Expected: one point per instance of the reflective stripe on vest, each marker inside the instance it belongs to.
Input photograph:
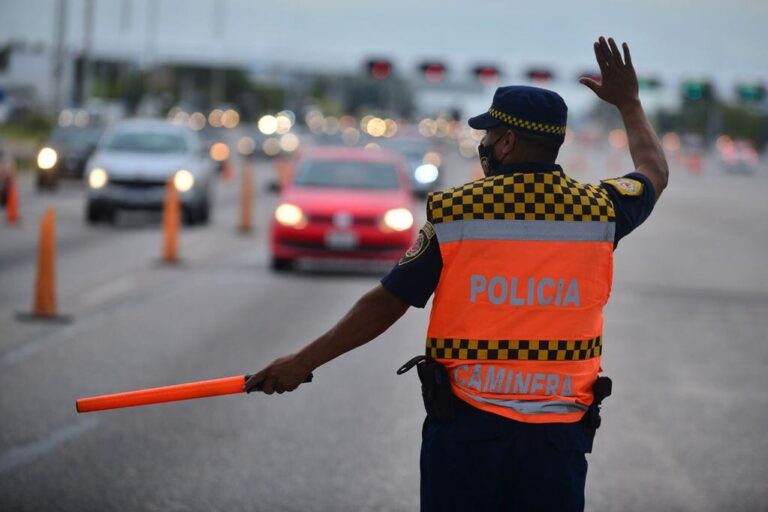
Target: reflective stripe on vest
(518, 312)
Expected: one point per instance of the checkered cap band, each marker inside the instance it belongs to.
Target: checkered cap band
(525, 124)
(523, 196)
(519, 350)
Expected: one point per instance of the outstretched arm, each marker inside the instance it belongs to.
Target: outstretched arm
(371, 315)
(619, 87)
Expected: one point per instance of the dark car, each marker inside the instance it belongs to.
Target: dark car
(65, 153)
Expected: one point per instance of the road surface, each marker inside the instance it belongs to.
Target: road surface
(686, 345)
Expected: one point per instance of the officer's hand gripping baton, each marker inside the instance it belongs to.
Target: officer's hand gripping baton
(186, 391)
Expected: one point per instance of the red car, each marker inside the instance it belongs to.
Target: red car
(344, 203)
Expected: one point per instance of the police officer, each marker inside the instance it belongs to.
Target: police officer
(520, 264)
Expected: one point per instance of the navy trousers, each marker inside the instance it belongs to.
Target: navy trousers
(484, 462)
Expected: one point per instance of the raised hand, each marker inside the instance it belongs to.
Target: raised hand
(619, 81)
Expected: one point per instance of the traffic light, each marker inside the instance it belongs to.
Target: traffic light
(433, 71)
(380, 69)
(697, 90)
(486, 74)
(540, 75)
(751, 93)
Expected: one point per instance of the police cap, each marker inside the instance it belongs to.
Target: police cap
(531, 110)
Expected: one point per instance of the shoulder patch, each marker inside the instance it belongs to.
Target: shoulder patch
(626, 186)
(426, 234)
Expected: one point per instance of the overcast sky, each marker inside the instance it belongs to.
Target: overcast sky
(723, 40)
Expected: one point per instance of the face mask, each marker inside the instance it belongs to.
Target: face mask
(487, 160)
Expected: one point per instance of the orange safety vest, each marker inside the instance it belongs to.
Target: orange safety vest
(517, 315)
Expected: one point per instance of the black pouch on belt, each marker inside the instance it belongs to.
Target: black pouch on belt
(435, 388)
(591, 421)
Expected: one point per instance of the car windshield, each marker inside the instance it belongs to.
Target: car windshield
(148, 142)
(347, 174)
(75, 138)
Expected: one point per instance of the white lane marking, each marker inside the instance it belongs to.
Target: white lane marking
(108, 291)
(27, 453)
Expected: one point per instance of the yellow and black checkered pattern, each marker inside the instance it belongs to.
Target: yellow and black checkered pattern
(520, 350)
(522, 196)
(526, 124)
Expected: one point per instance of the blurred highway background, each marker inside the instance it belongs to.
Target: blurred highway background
(225, 90)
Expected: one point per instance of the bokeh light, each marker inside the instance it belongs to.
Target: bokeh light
(219, 151)
(722, 142)
(289, 142)
(350, 136)
(427, 127)
(390, 128)
(246, 145)
(66, 117)
(314, 120)
(271, 146)
(82, 118)
(331, 125)
(376, 127)
(230, 119)
(197, 121)
(215, 117)
(284, 123)
(267, 124)
(432, 157)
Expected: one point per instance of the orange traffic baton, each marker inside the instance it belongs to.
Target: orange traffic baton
(175, 393)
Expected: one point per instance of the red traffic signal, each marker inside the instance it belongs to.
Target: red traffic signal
(540, 75)
(486, 74)
(433, 71)
(380, 69)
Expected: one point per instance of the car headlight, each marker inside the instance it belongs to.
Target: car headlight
(97, 178)
(290, 215)
(183, 180)
(398, 219)
(426, 173)
(47, 158)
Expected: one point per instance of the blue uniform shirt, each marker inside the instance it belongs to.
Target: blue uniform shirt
(414, 278)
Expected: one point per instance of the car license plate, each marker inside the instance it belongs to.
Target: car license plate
(341, 240)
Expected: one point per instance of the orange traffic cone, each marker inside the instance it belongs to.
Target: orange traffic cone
(245, 198)
(227, 173)
(44, 305)
(12, 202)
(170, 223)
